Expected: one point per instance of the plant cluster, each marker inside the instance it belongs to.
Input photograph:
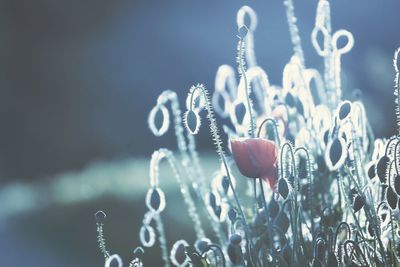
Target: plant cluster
(303, 181)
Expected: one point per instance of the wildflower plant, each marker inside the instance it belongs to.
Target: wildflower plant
(320, 189)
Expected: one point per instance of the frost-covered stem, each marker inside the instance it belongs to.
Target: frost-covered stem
(216, 138)
(242, 72)
(101, 241)
(294, 31)
(162, 239)
(310, 183)
(176, 111)
(218, 143)
(185, 192)
(295, 208)
(273, 122)
(372, 216)
(183, 147)
(396, 86)
(348, 205)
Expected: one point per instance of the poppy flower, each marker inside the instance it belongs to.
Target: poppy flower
(256, 158)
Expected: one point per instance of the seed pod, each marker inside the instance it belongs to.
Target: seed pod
(283, 188)
(225, 184)
(240, 112)
(235, 254)
(336, 153)
(235, 239)
(344, 110)
(212, 200)
(371, 171)
(391, 198)
(381, 168)
(358, 203)
(232, 214)
(289, 100)
(397, 184)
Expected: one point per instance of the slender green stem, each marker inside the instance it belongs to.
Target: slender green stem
(246, 87)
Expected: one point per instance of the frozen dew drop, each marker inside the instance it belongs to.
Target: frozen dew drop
(397, 184)
(100, 216)
(159, 120)
(113, 261)
(358, 203)
(243, 31)
(147, 236)
(192, 121)
(344, 110)
(155, 200)
(178, 253)
(283, 188)
(391, 197)
(381, 168)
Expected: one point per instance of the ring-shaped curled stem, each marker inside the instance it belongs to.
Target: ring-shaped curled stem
(165, 153)
(341, 225)
(218, 143)
(274, 126)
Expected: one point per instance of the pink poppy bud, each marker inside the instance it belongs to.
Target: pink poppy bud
(256, 158)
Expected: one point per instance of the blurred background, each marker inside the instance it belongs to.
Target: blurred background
(78, 78)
